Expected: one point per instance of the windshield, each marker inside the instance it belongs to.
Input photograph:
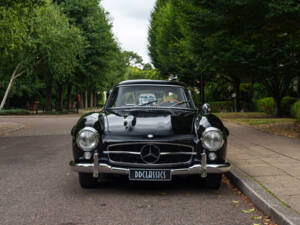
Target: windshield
(149, 96)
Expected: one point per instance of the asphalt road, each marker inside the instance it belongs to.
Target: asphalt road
(37, 187)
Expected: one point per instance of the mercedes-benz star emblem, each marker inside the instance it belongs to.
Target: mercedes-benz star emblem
(150, 154)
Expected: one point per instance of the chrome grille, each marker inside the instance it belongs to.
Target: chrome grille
(129, 154)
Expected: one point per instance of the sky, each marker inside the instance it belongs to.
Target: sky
(130, 20)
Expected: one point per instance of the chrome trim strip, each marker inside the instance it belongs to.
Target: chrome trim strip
(150, 142)
(149, 165)
(121, 152)
(162, 153)
(178, 153)
(105, 168)
(152, 84)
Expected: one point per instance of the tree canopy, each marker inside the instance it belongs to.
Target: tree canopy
(64, 43)
(247, 40)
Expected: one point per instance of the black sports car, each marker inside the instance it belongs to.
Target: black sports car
(150, 130)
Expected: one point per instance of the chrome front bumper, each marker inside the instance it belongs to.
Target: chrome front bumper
(105, 168)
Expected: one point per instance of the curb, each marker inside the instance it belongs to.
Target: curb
(263, 200)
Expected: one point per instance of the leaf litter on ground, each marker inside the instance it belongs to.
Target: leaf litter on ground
(248, 210)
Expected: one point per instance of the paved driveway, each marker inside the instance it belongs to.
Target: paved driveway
(37, 125)
(38, 188)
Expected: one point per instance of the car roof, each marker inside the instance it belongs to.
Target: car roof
(146, 81)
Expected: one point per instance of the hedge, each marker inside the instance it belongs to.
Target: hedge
(14, 112)
(221, 106)
(267, 105)
(295, 110)
(286, 104)
(227, 106)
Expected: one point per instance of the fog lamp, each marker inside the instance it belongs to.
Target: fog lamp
(87, 155)
(212, 156)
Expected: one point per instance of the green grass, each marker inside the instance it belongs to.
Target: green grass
(230, 115)
(257, 121)
(57, 112)
(253, 118)
(14, 112)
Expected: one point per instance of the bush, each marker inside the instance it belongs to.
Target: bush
(295, 110)
(221, 106)
(266, 105)
(14, 112)
(227, 106)
(286, 104)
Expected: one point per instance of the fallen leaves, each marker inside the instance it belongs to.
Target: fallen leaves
(248, 210)
(236, 203)
(256, 217)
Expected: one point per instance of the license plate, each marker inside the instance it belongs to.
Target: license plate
(148, 174)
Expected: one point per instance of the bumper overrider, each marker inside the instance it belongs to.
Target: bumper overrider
(202, 169)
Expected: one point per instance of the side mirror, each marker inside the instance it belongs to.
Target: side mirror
(206, 109)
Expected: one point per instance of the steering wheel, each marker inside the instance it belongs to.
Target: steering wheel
(172, 101)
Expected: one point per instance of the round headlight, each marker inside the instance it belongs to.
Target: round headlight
(212, 139)
(87, 139)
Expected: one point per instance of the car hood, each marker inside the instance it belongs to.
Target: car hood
(156, 123)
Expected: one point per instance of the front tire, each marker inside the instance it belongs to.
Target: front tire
(213, 181)
(86, 180)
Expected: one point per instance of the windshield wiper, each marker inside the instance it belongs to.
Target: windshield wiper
(178, 103)
(148, 103)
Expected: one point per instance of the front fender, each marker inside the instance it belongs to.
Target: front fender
(210, 120)
(94, 120)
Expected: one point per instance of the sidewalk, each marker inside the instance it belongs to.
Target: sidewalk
(273, 161)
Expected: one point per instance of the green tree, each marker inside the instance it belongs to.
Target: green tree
(101, 54)
(60, 45)
(167, 46)
(48, 41)
(242, 41)
(15, 28)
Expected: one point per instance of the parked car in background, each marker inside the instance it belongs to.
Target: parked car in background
(150, 130)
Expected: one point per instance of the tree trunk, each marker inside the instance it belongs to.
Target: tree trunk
(91, 99)
(81, 105)
(95, 99)
(60, 97)
(86, 99)
(10, 84)
(277, 101)
(298, 86)
(69, 100)
(48, 103)
(237, 95)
